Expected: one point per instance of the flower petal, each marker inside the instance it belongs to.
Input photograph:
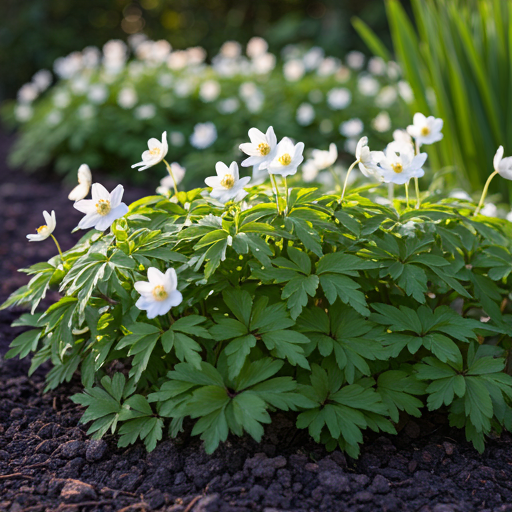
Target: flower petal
(116, 196)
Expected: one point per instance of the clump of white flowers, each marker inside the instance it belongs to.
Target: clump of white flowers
(227, 185)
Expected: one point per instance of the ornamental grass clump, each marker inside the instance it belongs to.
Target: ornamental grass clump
(226, 305)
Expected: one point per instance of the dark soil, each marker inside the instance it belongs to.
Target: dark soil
(48, 463)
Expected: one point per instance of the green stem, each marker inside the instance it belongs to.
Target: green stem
(286, 192)
(391, 192)
(346, 180)
(58, 247)
(276, 190)
(416, 180)
(484, 193)
(169, 169)
(407, 193)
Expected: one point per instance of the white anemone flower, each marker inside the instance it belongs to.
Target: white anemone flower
(400, 168)
(367, 160)
(324, 159)
(84, 184)
(155, 154)
(426, 130)
(103, 209)
(402, 142)
(227, 185)
(503, 166)
(44, 231)
(287, 159)
(261, 149)
(159, 294)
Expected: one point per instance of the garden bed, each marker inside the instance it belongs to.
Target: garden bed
(47, 461)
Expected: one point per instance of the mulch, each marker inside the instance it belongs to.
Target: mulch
(48, 463)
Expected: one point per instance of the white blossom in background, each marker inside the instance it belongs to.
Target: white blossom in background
(339, 98)
(394, 70)
(228, 106)
(147, 111)
(460, 194)
(156, 152)
(27, 93)
(293, 70)
(425, 130)
(98, 93)
(313, 58)
(509, 216)
(135, 40)
(177, 60)
(367, 85)
(159, 294)
(86, 111)
(205, 134)
(319, 161)
(405, 91)
(256, 46)
(183, 88)
(167, 183)
(305, 114)
(127, 98)
(44, 231)
(489, 210)
(91, 57)
(23, 113)
(79, 85)
(288, 157)
(84, 184)
(42, 80)
(350, 145)
(382, 123)
(402, 142)
(355, 60)
(177, 139)
(195, 55)
(328, 67)
(343, 74)
(386, 97)
(227, 185)
(61, 99)
(66, 67)
(261, 149)
(54, 118)
(103, 209)
(367, 160)
(503, 166)
(352, 128)
(400, 168)
(231, 49)
(114, 55)
(209, 91)
(264, 64)
(154, 52)
(377, 66)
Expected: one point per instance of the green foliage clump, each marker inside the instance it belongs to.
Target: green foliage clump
(456, 55)
(349, 315)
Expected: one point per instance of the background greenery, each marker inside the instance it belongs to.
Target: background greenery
(33, 33)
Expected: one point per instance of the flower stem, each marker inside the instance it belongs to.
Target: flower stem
(58, 247)
(276, 190)
(346, 180)
(484, 193)
(169, 169)
(391, 192)
(286, 192)
(407, 193)
(416, 180)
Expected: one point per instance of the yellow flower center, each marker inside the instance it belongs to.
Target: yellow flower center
(425, 131)
(263, 148)
(398, 168)
(159, 293)
(228, 181)
(285, 159)
(42, 228)
(103, 207)
(154, 151)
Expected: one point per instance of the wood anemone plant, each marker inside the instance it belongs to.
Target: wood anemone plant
(346, 313)
(457, 56)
